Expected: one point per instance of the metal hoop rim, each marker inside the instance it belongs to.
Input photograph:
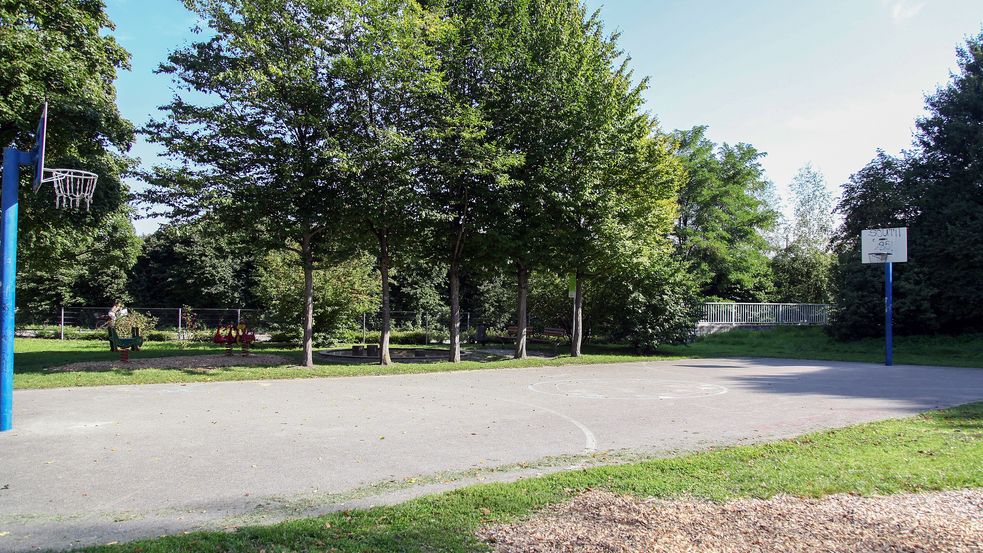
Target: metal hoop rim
(53, 174)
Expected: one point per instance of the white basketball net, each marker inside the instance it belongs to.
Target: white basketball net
(72, 187)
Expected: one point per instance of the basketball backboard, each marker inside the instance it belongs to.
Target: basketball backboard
(884, 245)
(37, 152)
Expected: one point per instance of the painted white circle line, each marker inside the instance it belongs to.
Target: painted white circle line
(590, 441)
(627, 388)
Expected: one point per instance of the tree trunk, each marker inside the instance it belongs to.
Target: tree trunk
(578, 318)
(523, 318)
(308, 341)
(384, 357)
(455, 326)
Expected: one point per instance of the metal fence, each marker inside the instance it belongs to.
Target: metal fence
(168, 318)
(765, 314)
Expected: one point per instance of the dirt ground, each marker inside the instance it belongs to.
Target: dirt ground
(604, 522)
(192, 362)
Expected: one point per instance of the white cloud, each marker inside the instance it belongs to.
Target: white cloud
(903, 9)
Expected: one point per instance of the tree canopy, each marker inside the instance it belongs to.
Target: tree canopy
(722, 217)
(63, 53)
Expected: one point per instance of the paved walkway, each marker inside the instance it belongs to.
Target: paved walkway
(94, 465)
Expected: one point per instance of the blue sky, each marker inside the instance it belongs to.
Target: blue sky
(823, 82)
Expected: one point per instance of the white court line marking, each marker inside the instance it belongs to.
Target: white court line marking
(624, 390)
(590, 442)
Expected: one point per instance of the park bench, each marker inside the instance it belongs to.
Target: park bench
(555, 332)
(513, 331)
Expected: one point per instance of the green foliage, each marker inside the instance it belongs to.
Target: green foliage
(881, 195)
(495, 300)
(947, 233)
(63, 53)
(342, 292)
(194, 264)
(936, 191)
(133, 319)
(802, 274)
(73, 265)
(649, 305)
(722, 217)
(419, 286)
(803, 265)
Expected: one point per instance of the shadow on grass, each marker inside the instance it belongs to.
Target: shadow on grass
(967, 418)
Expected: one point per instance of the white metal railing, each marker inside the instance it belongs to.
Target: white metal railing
(765, 314)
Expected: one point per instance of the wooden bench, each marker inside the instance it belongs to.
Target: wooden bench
(555, 332)
(513, 331)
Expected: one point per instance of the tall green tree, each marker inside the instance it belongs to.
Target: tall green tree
(465, 165)
(199, 264)
(936, 190)
(802, 268)
(390, 77)
(946, 237)
(615, 180)
(722, 217)
(255, 131)
(63, 52)
(883, 194)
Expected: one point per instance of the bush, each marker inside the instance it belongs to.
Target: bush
(342, 293)
(649, 305)
(134, 319)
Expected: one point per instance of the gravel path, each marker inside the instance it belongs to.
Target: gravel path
(201, 362)
(601, 521)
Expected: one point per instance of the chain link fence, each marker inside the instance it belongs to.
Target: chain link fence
(182, 320)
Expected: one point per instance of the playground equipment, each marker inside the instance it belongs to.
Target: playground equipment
(124, 345)
(72, 186)
(235, 334)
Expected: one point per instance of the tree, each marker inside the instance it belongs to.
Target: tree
(465, 171)
(881, 195)
(77, 265)
(936, 190)
(812, 209)
(802, 267)
(63, 52)
(199, 264)
(946, 237)
(390, 80)
(722, 217)
(614, 181)
(342, 291)
(255, 131)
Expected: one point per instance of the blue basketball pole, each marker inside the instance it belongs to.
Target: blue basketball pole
(12, 160)
(888, 315)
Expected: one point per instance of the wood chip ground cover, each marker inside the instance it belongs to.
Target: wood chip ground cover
(600, 521)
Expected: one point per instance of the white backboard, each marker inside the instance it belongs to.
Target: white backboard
(874, 243)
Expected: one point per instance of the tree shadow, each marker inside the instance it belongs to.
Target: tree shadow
(920, 387)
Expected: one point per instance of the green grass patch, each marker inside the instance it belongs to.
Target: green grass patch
(934, 451)
(33, 357)
(814, 343)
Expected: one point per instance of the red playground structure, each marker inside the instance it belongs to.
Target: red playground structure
(235, 334)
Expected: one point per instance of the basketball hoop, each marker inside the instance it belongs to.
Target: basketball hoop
(878, 257)
(72, 187)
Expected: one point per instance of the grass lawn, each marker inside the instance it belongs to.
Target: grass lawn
(814, 343)
(934, 451)
(34, 355)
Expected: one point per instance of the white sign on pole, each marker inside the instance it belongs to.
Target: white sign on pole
(884, 245)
